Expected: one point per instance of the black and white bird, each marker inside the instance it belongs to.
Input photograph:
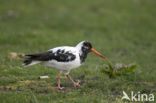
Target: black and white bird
(64, 58)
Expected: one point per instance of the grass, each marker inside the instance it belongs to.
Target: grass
(123, 30)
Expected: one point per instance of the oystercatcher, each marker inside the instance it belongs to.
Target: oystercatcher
(63, 58)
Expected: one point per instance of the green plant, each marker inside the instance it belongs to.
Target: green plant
(117, 69)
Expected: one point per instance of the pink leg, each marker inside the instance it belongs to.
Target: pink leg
(76, 84)
(59, 76)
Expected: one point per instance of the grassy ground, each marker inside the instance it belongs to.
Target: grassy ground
(123, 30)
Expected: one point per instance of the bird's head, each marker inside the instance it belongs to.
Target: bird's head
(86, 47)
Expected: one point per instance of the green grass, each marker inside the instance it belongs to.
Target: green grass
(123, 30)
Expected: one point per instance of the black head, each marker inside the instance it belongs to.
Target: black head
(86, 47)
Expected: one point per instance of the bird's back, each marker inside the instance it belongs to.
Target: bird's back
(64, 57)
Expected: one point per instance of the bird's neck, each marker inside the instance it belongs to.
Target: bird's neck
(83, 56)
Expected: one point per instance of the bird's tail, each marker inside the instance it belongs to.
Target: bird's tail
(30, 60)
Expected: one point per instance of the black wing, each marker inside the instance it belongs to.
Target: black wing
(59, 55)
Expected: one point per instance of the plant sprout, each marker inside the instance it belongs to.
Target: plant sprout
(117, 69)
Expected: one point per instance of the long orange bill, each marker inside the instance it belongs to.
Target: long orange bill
(97, 53)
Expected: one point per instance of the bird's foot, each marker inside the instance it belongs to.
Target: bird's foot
(60, 88)
(76, 84)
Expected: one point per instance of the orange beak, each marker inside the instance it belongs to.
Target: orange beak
(97, 53)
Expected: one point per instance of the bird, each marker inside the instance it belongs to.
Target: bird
(63, 58)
